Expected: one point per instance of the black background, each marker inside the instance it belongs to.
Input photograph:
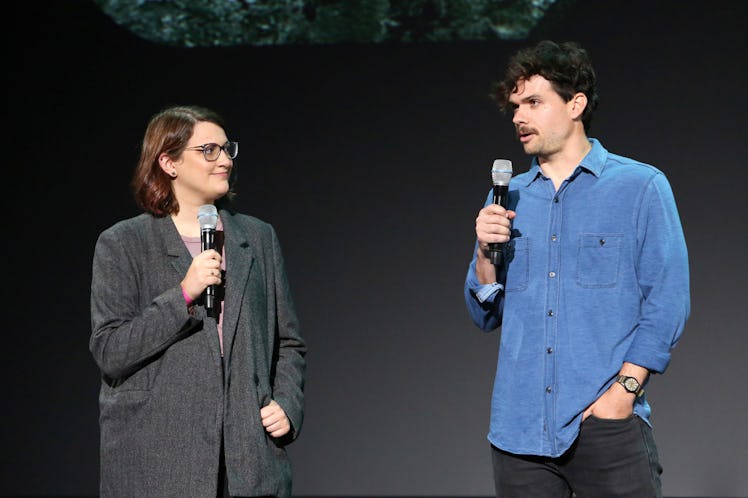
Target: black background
(371, 162)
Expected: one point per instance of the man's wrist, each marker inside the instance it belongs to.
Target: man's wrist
(631, 384)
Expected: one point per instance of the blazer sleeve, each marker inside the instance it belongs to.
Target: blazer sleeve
(128, 328)
(290, 352)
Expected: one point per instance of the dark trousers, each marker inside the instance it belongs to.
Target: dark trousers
(223, 483)
(610, 458)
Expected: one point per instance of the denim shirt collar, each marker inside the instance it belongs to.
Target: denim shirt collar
(593, 162)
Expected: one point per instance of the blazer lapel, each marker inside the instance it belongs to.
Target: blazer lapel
(179, 257)
(180, 260)
(239, 261)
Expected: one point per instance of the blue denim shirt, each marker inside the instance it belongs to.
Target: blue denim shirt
(595, 274)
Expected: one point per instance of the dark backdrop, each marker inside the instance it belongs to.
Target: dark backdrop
(371, 162)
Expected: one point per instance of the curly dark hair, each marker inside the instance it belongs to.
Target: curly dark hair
(567, 66)
(168, 131)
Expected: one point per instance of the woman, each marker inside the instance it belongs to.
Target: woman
(191, 402)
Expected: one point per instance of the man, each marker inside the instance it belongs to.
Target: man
(591, 296)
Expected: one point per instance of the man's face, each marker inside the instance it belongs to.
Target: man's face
(542, 119)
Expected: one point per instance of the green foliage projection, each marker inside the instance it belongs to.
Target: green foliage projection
(206, 23)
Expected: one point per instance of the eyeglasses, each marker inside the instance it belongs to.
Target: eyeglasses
(211, 152)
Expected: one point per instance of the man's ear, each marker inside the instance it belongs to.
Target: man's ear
(577, 105)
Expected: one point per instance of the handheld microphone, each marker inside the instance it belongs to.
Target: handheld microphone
(207, 214)
(501, 173)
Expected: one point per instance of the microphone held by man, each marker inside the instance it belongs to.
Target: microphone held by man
(501, 174)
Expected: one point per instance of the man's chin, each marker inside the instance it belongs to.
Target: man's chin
(529, 149)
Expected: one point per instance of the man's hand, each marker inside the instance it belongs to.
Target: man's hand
(617, 402)
(493, 224)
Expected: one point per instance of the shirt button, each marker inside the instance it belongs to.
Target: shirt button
(551, 274)
(553, 237)
(550, 312)
(549, 350)
(555, 199)
(548, 389)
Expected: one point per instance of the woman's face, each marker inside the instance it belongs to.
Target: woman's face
(199, 181)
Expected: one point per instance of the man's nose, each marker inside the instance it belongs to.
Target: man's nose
(518, 117)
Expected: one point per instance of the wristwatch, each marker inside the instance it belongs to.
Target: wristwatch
(630, 384)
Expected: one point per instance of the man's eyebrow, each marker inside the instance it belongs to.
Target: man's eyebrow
(528, 98)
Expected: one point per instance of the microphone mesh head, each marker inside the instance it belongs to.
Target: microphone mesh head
(501, 172)
(208, 216)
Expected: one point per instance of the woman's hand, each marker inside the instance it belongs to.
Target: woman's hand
(204, 270)
(274, 419)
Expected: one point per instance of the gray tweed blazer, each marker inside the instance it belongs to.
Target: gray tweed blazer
(165, 406)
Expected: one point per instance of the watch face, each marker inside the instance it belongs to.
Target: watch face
(631, 384)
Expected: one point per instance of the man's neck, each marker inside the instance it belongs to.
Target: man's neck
(559, 166)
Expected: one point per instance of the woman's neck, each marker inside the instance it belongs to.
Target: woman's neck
(186, 221)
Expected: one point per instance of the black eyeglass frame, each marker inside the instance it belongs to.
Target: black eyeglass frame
(204, 149)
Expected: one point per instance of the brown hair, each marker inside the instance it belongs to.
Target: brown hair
(567, 66)
(167, 132)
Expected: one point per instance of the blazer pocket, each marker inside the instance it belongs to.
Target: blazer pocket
(120, 409)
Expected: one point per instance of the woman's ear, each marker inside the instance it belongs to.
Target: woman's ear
(167, 164)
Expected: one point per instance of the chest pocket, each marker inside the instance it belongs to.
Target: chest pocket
(599, 259)
(517, 254)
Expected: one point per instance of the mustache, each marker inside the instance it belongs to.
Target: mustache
(524, 130)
